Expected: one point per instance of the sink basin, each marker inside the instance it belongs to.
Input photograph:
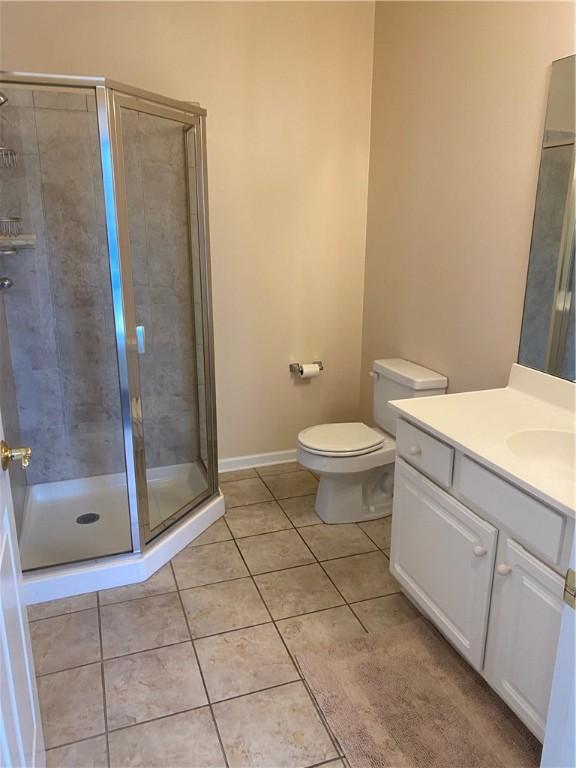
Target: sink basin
(549, 448)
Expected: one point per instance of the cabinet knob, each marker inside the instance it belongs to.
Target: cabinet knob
(504, 569)
(414, 450)
(479, 550)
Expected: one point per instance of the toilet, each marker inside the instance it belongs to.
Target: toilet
(355, 462)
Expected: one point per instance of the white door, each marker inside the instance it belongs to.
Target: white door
(443, 555)
(523, 633)
(560, 737)
(21, 742)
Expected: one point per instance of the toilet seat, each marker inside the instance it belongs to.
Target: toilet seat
(348, 439)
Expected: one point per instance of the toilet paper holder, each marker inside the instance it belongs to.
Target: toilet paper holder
(297, 367)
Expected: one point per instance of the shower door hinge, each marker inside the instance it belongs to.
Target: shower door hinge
(570, 588)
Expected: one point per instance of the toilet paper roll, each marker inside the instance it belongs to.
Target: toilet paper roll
(309, 370)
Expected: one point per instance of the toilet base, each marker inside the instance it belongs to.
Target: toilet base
(355, 497)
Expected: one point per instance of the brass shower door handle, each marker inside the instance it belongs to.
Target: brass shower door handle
(14, 454)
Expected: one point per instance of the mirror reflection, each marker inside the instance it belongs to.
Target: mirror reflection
(547, 341)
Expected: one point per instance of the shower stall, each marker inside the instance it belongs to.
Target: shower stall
(106, 352)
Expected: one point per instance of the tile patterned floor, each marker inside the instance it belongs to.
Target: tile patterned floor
(195, 667)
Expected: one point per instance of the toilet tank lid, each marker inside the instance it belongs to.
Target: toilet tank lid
(410, 374)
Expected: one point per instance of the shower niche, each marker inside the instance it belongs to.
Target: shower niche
(106, 353)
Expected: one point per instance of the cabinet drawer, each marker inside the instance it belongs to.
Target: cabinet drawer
(443, 556)
(431, 456)
(538, 527)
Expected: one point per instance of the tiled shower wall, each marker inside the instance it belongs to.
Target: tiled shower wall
(59, 311)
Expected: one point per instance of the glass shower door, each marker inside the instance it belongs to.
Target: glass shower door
(59, 374)
(159, 151)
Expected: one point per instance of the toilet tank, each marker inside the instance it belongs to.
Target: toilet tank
(397, 379)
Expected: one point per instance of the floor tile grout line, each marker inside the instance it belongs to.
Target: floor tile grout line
(319, 562)
(377, 597)
(308, 613)
(64, 613)
(104, 701)
(184, 711)
(312, 698)
(262, 533)
(68, 669)
(192, 545)
(191, 709)
(78, 741)
(350, 603)
(144, 650)
(249, 575)
(229, 631)
(375, 547)
(322, 716)
(284, 498)
(222, 480)
(259, 690)
(210, 583)
(314, 561)
(270, 614)
(112, 658)
(232, 536)
(331, 580)
(213, 583)
(378, 548)
(277, 619)
(178, 589)
(267, 500)
(139, 597)
(160, 717)
(302, 679)
(291, 655)
(201, 672)
(324, 762)
(370, 537)
(273, 620)
(342, 557)
(299, 468)
(279, 502)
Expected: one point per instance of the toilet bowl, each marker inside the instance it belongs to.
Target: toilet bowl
(355, 462)
(350, 460)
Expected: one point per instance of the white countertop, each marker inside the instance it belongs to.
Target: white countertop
(479, 424)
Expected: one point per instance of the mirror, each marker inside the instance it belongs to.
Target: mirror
(547, 341)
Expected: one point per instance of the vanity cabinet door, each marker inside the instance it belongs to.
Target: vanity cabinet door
(523, 633)
(443, 556)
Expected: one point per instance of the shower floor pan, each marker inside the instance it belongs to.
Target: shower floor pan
(88, 518)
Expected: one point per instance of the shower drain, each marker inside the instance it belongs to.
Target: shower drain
(89, 517)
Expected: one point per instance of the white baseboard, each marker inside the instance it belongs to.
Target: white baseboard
(256, 460)
(120, 570)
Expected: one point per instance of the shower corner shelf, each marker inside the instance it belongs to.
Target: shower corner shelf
(18, 243)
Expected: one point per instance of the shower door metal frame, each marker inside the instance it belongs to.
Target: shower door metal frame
(107, 93)
(194, 116)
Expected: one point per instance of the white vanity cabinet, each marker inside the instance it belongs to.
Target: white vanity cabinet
(443, 554)
(482, 559)
(523, 632)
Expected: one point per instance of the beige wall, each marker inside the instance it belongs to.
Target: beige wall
(458, 104)
(287, 87)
